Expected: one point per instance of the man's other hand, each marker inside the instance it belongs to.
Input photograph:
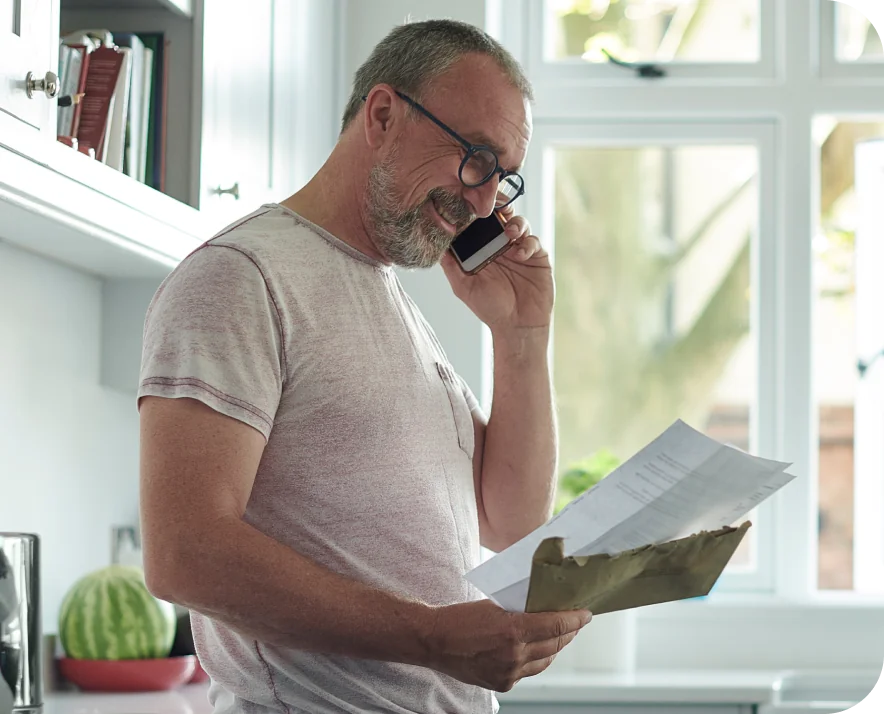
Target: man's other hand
(480, 643)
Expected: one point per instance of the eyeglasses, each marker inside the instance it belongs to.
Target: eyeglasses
(480, 163)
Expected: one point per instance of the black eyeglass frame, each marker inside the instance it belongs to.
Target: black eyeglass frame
(471, 149)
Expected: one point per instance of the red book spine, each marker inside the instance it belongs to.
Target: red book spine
(101, 80)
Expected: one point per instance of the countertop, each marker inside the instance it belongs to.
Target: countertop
(646, 687)
(189, 699)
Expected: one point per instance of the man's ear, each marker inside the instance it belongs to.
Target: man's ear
(379, 119)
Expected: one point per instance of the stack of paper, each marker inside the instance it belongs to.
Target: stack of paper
(681, 484)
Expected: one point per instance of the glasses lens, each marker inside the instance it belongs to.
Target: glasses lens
(509, 190)
(478, 167)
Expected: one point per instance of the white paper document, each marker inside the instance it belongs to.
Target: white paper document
(681, 483)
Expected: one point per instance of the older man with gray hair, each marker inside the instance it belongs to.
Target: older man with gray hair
(316, 479)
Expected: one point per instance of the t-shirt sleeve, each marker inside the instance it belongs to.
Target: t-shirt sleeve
(213, 333)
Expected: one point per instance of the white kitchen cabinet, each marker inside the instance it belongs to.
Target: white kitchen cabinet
(238, 104)
(230, 133)
(26, 51)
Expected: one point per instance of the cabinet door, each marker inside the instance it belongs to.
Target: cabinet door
(28, 43)
(236, 166)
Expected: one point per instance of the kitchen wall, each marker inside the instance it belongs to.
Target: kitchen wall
(365, 23)
(69, 446)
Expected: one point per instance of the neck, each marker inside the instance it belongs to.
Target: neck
(334, 200)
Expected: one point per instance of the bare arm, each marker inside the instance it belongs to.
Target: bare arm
(515, 461)
(197, 471)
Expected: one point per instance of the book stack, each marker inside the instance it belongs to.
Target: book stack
(113, 100)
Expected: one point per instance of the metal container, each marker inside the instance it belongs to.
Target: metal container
(20, 630)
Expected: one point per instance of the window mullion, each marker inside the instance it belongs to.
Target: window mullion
(797, 504)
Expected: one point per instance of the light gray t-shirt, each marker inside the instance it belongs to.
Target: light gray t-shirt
(368, 463)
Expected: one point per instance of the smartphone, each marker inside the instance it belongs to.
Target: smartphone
(480, 243)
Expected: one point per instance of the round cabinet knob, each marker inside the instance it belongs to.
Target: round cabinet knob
(232, 191)
(48, 85)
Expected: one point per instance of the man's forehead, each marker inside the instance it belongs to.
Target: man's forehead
(497, 117)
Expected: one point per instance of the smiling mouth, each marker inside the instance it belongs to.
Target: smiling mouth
(443, 219)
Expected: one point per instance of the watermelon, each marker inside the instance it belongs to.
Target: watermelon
(110, 614)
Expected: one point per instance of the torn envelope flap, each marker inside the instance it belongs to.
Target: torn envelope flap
(675, 570)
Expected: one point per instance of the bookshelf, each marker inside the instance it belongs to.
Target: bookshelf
(65, 205)
(229, 116)
(184, 8)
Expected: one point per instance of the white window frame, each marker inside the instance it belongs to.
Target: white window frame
(543, 69)
(683, 634)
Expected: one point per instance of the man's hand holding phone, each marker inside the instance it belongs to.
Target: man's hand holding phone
(512, 290)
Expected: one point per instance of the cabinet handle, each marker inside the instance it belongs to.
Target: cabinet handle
(48, 85)
(232, 191)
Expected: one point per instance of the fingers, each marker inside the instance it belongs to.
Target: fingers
(538, 627)
(547, 648)
(525, 248)
(517, 227)
(506, 213)
(536, 667)
(536, 657)
(523, 245)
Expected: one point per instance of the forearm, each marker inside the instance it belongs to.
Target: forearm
(265, 590)
(519, 460)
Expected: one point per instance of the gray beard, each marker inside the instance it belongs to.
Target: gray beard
(408, 238)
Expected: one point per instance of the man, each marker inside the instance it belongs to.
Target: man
(316, 479)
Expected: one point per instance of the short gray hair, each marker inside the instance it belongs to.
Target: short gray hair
(415, 53)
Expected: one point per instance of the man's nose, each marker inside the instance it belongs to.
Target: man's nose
(482, 198)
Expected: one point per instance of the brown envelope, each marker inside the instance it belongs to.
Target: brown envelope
(679, 569)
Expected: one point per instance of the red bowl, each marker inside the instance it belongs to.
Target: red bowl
(128, 675)
(199, 675)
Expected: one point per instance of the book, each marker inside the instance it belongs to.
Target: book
(156, 132)
(119, 113)
(133, 137)
(73, 67)
(146, 109)
(105, 64)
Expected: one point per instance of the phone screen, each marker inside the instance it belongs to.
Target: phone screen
(476, 236)
(479, 243)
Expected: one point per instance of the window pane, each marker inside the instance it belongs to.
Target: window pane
(652, 319)
(654, 30)
(835, 357)
(857, 39)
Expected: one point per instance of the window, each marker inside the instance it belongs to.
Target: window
(656, 235)
(653, 30)
(580, 39)
(837, 374)
(629, 172)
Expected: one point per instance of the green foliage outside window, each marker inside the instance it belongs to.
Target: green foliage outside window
(582, 475)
